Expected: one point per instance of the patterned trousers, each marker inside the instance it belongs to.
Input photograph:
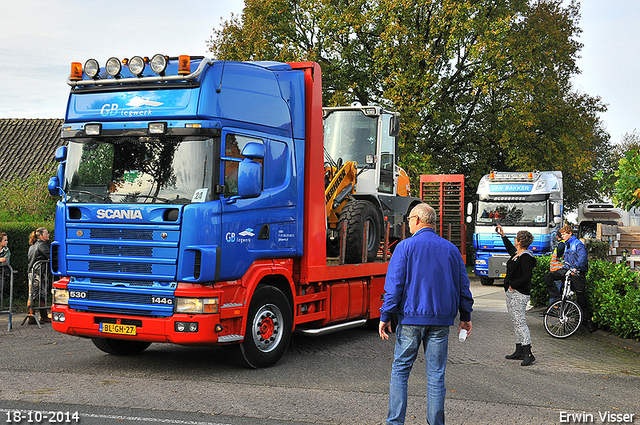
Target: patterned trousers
(517, 307)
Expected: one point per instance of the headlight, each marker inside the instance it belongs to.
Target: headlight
(481, 262)
(113, 67)
(158, 64)
(60, 296)
(136, 66)
(196, 305)
(91, 68)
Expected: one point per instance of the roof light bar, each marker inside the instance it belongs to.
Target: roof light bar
(136, 67)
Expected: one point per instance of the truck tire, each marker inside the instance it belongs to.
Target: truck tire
(357, 213)
(486, 281)
(268, 331)
(120, 347)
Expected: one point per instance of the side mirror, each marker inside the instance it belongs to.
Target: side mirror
(394, 126)
(61, 153)
(249, 177)
(54, 186)
(254, 151)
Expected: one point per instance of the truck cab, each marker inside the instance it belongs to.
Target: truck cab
(517, 201)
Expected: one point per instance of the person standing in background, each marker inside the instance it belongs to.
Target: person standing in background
(37, 273)
(5, 255)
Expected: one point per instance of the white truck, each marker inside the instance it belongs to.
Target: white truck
(592, 213)
(517, 201)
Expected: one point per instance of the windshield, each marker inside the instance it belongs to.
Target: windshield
(350, 135)
(176, 170)
(512, 213)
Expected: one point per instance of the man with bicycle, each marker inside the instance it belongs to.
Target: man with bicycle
(576, 261)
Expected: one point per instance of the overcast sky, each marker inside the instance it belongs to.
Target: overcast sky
(40, 38)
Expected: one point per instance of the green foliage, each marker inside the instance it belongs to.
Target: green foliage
(612, 292)
(598, 250)
(626, 192)
(27, 200)
(614, 298)
(18, 236)
(479, 85)
(539, 295)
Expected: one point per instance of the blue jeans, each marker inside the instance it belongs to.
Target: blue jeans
(435, 342)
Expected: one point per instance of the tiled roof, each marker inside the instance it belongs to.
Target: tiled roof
(26, 145)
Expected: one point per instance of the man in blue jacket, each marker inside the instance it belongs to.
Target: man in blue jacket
(576, 259)
(426, 286)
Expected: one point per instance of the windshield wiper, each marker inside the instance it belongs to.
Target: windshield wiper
(152, 197)
(95, 195)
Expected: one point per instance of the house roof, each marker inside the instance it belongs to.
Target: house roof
(27, 145)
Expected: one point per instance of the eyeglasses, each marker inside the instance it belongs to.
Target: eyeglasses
(410, 217)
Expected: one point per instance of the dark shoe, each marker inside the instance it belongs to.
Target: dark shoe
(591, 326)
(528, 357)
(517, 355)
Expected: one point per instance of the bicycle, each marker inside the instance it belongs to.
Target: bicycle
(563, 317)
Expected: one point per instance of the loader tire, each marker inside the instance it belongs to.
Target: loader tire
(357, 213)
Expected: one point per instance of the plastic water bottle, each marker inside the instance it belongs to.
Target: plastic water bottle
(462, 335)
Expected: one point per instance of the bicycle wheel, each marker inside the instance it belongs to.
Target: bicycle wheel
(562, 319)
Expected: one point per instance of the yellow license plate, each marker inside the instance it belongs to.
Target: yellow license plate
(111, 328)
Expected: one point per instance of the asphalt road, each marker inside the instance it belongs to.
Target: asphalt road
(335, 379)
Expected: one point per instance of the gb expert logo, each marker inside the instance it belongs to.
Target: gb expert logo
(119, 214)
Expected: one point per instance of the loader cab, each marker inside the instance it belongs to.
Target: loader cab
(368, 136)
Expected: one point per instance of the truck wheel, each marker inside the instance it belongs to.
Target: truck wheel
(120, 347)
(268, 332)
(486, 281)
(357, 213)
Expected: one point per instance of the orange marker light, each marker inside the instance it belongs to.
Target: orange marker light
(76, 71)
(184, 65)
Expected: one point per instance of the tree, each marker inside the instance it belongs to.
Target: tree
(480, 86)
(626, 192)
(27, 200)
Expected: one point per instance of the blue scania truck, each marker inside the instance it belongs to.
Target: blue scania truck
(193, 212)
(517, 201)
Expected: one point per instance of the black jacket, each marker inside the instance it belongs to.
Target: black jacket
(38, 251)
(519, 269)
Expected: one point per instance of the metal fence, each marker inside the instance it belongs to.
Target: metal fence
(6, 292)
(39, 293)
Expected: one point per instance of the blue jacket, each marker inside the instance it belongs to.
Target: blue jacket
(427, 282)
(575, 255)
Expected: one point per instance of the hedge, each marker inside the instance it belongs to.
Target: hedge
(18, 236)
(612, 292)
